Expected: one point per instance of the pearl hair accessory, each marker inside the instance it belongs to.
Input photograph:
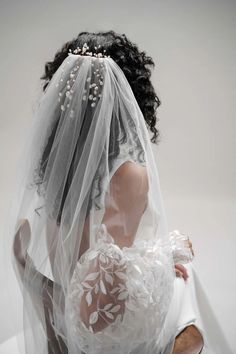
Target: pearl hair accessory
(84, 51)
(92, 90)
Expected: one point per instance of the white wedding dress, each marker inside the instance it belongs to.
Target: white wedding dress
(189, 305)
(143, 288)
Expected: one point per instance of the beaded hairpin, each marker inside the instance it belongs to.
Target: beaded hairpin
(93, 95)
(84, 51)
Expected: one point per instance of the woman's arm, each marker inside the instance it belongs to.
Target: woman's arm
(104, 301)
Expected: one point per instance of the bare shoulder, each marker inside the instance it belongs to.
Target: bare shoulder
(132, 174)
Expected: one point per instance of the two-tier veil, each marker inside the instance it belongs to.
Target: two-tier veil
(88, 235)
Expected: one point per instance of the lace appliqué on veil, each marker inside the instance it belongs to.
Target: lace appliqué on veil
(136, 283)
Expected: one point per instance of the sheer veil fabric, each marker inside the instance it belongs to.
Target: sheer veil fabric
(87, 234)
(89, 237)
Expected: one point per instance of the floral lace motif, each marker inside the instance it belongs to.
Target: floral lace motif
(138, 280)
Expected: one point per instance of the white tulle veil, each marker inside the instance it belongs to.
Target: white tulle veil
(88, 139)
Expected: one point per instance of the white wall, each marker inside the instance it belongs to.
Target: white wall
(193, 45)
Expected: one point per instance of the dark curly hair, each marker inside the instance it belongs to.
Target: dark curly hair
(134, 63)
(136, 66)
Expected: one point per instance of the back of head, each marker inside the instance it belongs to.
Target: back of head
(135, 64)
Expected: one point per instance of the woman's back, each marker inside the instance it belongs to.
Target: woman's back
(124, 206)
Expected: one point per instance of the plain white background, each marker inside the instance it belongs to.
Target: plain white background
(193, 46)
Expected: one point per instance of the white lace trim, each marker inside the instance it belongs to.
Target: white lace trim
(140, 300)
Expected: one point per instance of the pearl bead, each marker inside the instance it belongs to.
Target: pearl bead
(62, 107)
(90, 97)
(93, 104)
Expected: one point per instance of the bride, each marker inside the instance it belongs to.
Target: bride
(98, 269)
